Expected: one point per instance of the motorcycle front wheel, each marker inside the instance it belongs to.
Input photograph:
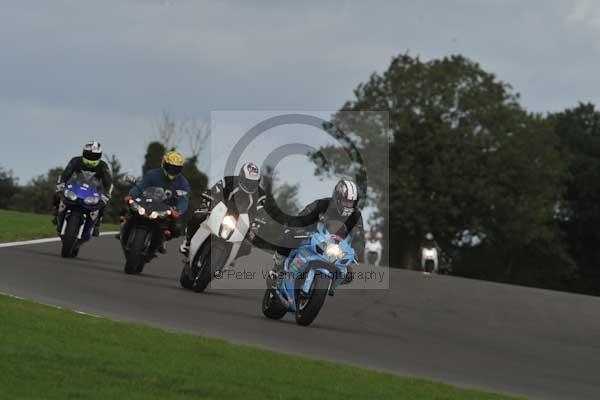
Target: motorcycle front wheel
(308, 306)
(69, 239)
(271, 306)
(134, 259)
(201, 269)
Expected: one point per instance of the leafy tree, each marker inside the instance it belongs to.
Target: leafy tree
(37, 195)
(286, 197)
(579, 132)
(281, 200)
(8, 187)
(120, 190)
(464, 156)
(197, 179)
(154, 156)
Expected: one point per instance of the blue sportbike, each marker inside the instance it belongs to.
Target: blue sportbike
(312, 270)
(78, 213)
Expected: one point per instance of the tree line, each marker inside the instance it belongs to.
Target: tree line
(513, 196)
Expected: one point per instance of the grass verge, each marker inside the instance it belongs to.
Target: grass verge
(16, 226)
(51, 353)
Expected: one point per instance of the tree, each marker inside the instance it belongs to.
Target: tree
(286, 198)
(579, 132)
(154, 156)
(464, 156)
(8, 187)
(37, 195)
(281, 200)
(168, 129)
(198, 181)
(120, 189)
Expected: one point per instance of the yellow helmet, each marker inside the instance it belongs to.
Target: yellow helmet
(172, 164)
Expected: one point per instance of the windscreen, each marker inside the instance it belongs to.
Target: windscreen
(85, 178)
(157, 194)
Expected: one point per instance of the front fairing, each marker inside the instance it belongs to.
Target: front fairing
(310, 257)
(83, 190)
(314, 249)
(151, 206)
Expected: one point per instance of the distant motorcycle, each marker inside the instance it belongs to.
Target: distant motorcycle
(214, 246)
(78, 212)
(145, 230)
(318, 264)
(373, 249)
(429, 259)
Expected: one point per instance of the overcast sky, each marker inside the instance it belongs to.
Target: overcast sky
(74, 70)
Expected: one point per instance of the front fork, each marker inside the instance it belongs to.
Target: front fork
(65, 220)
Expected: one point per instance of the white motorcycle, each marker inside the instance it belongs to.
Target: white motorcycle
(373, 250)
(429, 259)
(214, 246)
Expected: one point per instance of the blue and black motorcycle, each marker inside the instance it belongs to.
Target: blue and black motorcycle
(312, 270)
(78, 213)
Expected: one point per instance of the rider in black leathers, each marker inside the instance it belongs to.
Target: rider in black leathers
(342, 206)
(241, 192)
(90, 161)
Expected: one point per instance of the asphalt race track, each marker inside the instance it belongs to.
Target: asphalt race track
(537, 343)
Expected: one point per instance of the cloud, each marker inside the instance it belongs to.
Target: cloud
(109, 68)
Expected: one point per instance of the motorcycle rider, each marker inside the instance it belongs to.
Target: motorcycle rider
(176, 186)
(342, 206)
(430, 242)
(90, 161)
(242, 191)
(373, 244)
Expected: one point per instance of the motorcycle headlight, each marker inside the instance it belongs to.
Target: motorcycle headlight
(91, 200)
(141, 211)
(333, 251)
(70, 195)
(429, 253)
(227, 226)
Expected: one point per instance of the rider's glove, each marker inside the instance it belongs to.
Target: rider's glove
(127, 199)
(60, 187)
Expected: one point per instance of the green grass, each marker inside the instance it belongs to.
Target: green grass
(16, 225)
(48, 353)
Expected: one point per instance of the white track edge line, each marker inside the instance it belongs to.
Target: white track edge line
(50, 305)
(47, 240)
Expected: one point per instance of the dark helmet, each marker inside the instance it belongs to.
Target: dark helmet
(92, 153)
(249, 178)
(345, 197)
(172, 164)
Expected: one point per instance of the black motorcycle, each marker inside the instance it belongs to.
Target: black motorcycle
(145, 229)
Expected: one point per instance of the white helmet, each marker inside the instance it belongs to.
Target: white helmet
(249, 178)
(345, 197)
(92, 153)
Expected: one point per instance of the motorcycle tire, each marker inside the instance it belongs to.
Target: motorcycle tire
(69, 239)
(308, 306)
(134, 263)
(271, 306)
(201, 270)
(184, 279)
